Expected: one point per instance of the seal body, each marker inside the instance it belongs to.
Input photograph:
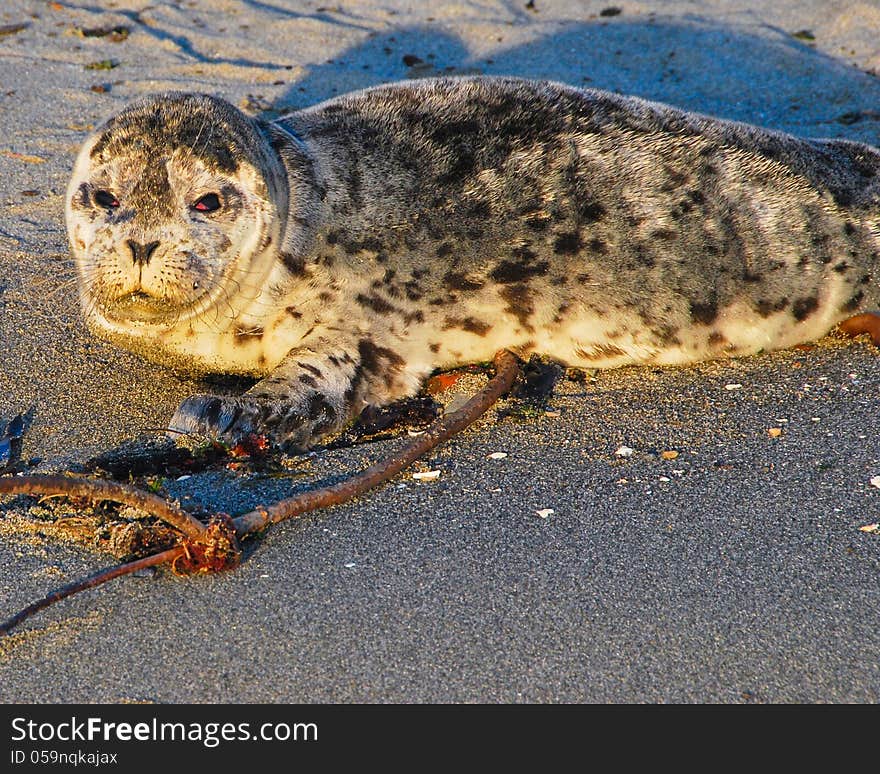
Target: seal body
(344, 252)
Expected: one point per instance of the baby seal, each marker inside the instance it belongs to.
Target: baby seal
(344, 252)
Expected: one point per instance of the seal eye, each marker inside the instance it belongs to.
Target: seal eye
(106, 199)
(208, 203)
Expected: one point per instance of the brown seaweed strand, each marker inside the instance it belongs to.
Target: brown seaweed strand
(97, 489)
(89, 583)
(506, 369)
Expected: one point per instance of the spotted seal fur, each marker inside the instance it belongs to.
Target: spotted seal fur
(344, 252)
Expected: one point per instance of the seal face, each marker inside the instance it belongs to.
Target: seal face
(345, 251)
(169, 209)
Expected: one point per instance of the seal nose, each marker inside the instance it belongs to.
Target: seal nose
(141, 254)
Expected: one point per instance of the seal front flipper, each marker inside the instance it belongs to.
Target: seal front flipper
(310, 394)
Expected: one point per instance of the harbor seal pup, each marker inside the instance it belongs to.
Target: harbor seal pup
(344, 252)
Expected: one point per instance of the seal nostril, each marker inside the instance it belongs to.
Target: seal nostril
(141, 254)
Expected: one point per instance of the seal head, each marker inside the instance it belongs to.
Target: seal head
(170, 209)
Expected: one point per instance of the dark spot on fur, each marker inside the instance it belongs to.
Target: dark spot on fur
(309, 380)
(705, 313)
(84, 195)
(599, 352)
(379, 360)
(461, 165)
(716, 339)
(765, 308)
(682, 208)
(598, 246)
(312, 369)
(480, 209)
(750, 276)
(294, 265)
(459, 281)
(842, 197)
(643, 257)
(559, 281)
(591, 212)
(353, 388)
(410, 317)
(469, 324)
(848, 228)
(368, 244)
(508, 272)
(537, 223)
(802, 308)
(669, 336)
(332, 237)
(519, 303)
(853, 303)
(455, 131)
(435, 347)
(524, 254)
(293, 313)
(375, 303)
(674, 178)
(666, 234)
(567, 243)
(443, 250)
(842, 267)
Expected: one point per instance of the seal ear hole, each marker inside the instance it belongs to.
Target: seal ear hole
(106, 199)
(208, 203)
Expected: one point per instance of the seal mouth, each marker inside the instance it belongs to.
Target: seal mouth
(140, 307)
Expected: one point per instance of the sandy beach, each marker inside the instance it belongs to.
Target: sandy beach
(741, 569)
